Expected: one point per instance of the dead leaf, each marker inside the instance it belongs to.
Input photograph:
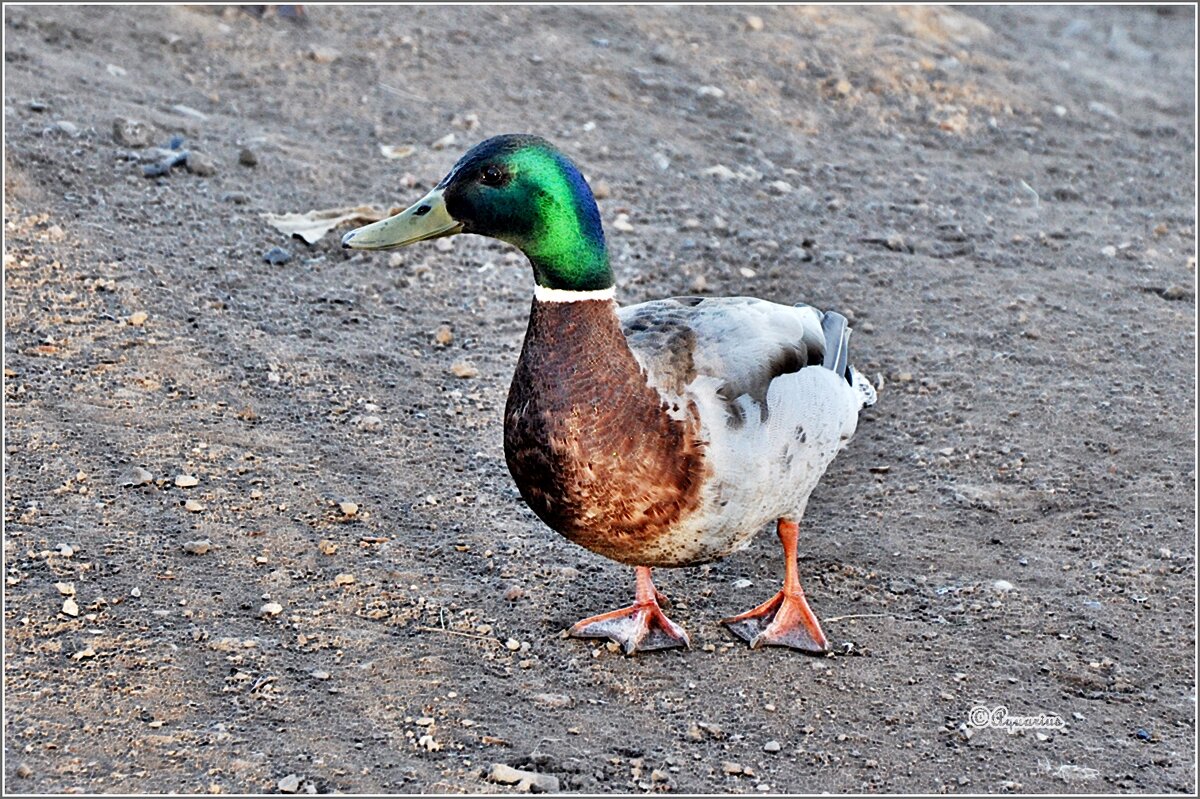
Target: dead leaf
(312, 226)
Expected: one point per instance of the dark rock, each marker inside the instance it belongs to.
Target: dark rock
(277, 256)
(247, 157)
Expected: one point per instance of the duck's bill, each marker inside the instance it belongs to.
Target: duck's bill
(425, 219)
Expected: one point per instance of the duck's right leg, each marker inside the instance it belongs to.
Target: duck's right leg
(640, 627)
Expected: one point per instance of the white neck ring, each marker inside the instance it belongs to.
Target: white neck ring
(543, 294)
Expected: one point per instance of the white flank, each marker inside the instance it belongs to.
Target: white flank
(543, 294)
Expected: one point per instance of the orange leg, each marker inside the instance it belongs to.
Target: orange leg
(640, 627)
(785, 619)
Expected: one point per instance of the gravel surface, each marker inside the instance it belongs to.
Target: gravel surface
(259, 534)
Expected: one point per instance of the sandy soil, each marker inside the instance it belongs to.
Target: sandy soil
(1002, 199)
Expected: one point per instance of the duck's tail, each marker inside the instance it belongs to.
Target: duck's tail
(837, 355)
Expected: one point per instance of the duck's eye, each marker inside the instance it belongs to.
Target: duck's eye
(491, 176)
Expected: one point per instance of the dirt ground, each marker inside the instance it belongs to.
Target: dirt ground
(1002, 199)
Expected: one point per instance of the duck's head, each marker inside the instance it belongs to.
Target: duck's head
(521, 190)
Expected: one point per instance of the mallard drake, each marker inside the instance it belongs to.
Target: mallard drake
(662, 434)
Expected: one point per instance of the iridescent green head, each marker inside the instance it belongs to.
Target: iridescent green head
(518, 189)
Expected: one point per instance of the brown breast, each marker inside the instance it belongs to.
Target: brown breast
(589, 443)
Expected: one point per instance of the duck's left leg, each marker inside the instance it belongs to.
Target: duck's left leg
(785, 619)
(638, 628)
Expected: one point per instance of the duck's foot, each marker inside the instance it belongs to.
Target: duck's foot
(785, 619)
(641, 627)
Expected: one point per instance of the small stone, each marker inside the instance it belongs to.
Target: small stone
(754, 23)
(24, 771)
(553, 701)
(715, 92)
(742, 583)
(1060, 111)
(138, 318)
(135, 592)
(247, 157)
(1003, 586)
(186, 481)
(200, 164)
(320, 675)
(446, 141)
(720, 172)
(622, 223)
(781, 187)
(66, 550)
(526, 781)
(200, 547)
(66, 589)
(348, 508)
(289, 784)
(327, 547)
(277, 256)
(443, 336)
(132, 133)
(69, 128)
(37, 106)
(192, 506)
(1164, 553)
(1109, 251)
(83, 654)
(424, 721)
(772, 746)
(344, 579)
(1041, 736)
(658, 775)
(730, 767)
(70, 608)
(271, 609)
(746, 271)
(843, 87)
(235, 197)
(1176, 292)
(514, 593)
(601, 190)
(136, 476)
(370, 423)
(324, 55)
(512, 644)
(464, 370)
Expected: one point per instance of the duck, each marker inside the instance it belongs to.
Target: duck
(662, 434)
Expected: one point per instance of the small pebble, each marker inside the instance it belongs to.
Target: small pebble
(444, 142)
(200, 547)
(320, 675)
(70, 608)
(754, 23)
(324, 55)
(370, 423)
(200, 164)
(186, 481)
(66, 589)
(602, 190)
(192, 506)
(24, 771)
(729, 767)
(1109, 251)
(136, 476)
(424, 721)
(276, 256)
(464, 370)
(772, 746)
(135, 592)
(138, 318)
(69, 128)
(247, 157)
(512, 644)
(443, 336)
(132, 133)
(348, 508)
(289, 784)
(271, 609)
(235, 197)
(622, 223)
(344, 579)
(1003, 586)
